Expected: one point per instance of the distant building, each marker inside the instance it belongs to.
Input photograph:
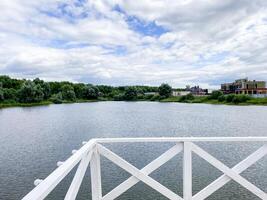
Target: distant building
(196, 90)
(151, 93)
(245, 86)
(180, 93)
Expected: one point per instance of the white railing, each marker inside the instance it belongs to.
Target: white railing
(91, 151)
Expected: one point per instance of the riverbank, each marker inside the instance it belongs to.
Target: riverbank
(203, 99)
(43, 103)
(206, 100)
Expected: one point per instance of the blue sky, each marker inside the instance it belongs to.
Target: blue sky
(124, 42)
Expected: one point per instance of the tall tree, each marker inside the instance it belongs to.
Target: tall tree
(165, 90)
(130, 93)
(30, 92)
(1, 92)
(68, 92)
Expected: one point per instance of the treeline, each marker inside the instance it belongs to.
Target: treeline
(35, 91)
(217, 97)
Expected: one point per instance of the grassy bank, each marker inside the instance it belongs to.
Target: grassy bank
(43, 103)
(196, 99)
(204, 99)
(16, 104)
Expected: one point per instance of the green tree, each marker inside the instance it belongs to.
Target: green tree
(1, 93)
(165, 90)
(221, 98)
(187, 98)
(46, 90)
(45, 87)
(91, 92)
(8, 82)
(79, 90)
(57, 98)
(215, 94)
(68, 92)
(30, 92)
(241, 98)
(10, 94)
(130, 93)
(229, 98)
(105, 90)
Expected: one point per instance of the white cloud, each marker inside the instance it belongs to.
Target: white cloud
(207, 41)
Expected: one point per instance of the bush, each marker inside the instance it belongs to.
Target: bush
(221, 98)
(119, 97)
(165, 90)
(148, 96)
(57, 98)
(186, 98)
(229, 98)
(216, 94)
(156, 97)
(240, 98)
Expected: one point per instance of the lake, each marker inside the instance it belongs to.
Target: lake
(33, 139)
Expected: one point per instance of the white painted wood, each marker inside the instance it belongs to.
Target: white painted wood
(78, 177)
(48, 184)
(37, 182)
(229, 172)
(182, 139)
(187, 171)
(137, 173)
(73, 151)
(239, 168)
(96, 176)
(155, 164)
(59, 163)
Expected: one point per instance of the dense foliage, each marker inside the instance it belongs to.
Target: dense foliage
(37, 90)
(230, 98)
(165, 90)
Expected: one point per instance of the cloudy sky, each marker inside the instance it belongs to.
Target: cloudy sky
(124, 42)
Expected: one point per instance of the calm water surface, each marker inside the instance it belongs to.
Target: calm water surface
(33, 139)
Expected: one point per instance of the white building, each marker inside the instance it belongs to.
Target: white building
(180, 93)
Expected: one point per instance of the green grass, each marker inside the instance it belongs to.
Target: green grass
(16, 104)
(204, 99)
(171, 99)
(8, 104)
(197, 99)
(258, 101)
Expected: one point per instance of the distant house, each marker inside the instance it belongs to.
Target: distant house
(245, 86)
(196, 90)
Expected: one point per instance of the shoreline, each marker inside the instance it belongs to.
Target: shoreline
(167, 100)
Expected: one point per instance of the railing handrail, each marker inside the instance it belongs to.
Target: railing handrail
(91, 150)
(181, 139)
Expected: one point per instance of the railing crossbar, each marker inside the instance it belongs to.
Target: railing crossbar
(239, 168)
(91, 151)
(148, 169)
(229, 172)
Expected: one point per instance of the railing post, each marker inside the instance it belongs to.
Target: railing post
(96, 175)
(187, 171)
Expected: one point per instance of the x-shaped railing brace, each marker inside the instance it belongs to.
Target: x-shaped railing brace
(142, 175)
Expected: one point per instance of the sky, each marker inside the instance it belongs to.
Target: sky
(134, 42)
